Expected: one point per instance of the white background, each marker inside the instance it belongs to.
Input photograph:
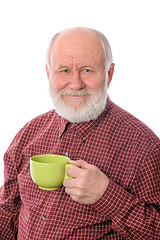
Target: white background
(26, 27)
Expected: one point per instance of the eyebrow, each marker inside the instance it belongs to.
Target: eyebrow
(62, 66)
(88, 66)
(83, 66)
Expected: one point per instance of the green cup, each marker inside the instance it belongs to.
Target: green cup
(49, 171)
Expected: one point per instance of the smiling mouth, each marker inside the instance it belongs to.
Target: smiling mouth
(81, 93)
(76, 98)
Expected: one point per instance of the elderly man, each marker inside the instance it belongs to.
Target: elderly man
(115, 190)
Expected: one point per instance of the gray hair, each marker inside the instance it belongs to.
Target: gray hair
(101, 37)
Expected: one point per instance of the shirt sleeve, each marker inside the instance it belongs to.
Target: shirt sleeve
(9, 193)
(10, 201)
(135, 215)
(9, 204)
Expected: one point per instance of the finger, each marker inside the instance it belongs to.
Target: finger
(80, 163)
(69, 191)
(74, 171)
(69, 183)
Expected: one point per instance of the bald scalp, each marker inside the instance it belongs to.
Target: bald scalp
(83, 31)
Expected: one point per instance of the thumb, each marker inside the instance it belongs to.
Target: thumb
(80, 163)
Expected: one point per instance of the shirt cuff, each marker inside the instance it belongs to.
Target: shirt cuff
(112, 201)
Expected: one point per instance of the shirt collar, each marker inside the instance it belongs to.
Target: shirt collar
(84, 129)
(62, 125)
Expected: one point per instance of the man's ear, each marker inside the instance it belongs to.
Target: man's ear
(110, 73)
(47, 71)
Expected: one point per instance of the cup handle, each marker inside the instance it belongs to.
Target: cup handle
(66, 176)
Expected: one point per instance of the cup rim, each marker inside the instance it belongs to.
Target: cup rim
(50, 163)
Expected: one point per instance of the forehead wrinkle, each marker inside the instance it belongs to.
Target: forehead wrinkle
(73, 61)
(80, 53)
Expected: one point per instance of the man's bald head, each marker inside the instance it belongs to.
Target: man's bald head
(87, 32)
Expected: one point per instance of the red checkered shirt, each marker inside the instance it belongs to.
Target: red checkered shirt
(126, 150)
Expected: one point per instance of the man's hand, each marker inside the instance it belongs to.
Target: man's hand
(88, 183)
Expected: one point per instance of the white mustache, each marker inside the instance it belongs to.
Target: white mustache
(76, 93)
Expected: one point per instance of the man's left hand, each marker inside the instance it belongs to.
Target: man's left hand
(88, 183)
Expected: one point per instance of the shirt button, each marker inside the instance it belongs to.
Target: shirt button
(43, 218)
(84, 139)
(66, 154)
(73, 125)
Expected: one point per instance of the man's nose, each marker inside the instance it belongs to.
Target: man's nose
(76, 81)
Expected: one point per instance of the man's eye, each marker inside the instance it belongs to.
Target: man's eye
(86, 70)
(65, 70)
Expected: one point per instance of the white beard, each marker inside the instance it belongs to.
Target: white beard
(91, 111)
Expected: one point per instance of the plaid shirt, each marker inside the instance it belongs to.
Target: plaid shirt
(123, 148)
